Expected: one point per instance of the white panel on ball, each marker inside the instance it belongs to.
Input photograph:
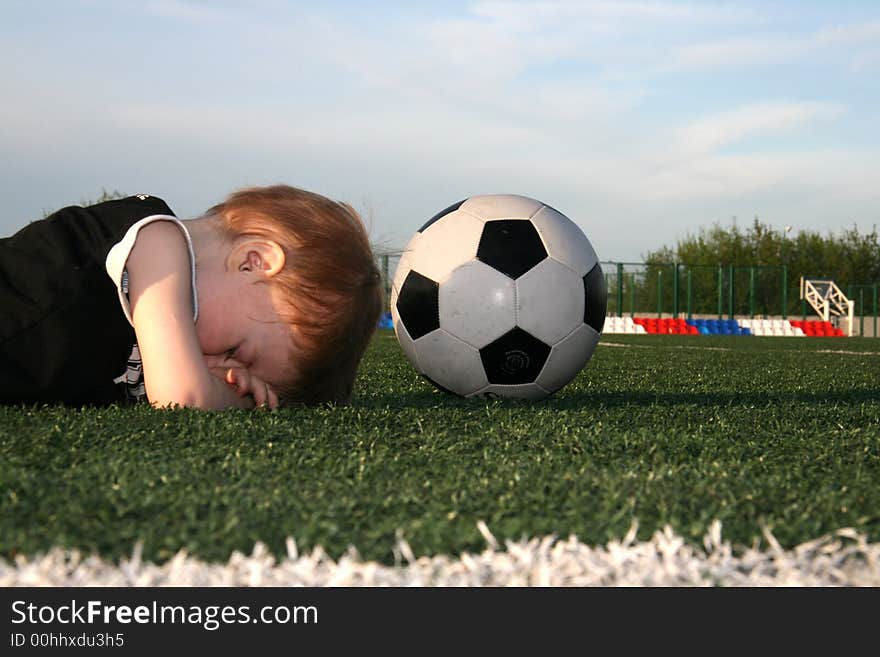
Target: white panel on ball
(403, 268)
(550, 301)
(477, 304)
(521, 391)
(501, 206)
(567, 358)
(564, 240)
(446, 244)
(406, 343)
(450, 362)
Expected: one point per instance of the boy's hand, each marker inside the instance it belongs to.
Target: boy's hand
(243, 382)
(246, 383)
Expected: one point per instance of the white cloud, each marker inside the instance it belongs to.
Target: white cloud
(850, 35)
(505, 38)
(764, 119)
(773, 48)
(540, 14)
(189, 11)
(737, 52)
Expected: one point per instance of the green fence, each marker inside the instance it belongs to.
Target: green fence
(685, 290)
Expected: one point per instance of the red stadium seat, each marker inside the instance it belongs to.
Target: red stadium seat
(666, 325)
(817, 328)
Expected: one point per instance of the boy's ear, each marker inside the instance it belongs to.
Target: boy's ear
(256, 254)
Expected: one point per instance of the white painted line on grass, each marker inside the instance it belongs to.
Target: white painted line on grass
(663, 346)
(844, 558)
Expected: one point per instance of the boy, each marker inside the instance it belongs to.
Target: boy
(270, 297)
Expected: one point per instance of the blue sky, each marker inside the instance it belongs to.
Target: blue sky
(642, 121)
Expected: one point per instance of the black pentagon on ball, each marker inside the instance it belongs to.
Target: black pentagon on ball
(441, 214)
(515, 357)
(512, 246)
(595, 298)
(417, 305)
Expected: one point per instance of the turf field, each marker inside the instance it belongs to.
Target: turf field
(777, 433)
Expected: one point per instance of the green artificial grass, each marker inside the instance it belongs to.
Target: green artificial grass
(754, 432)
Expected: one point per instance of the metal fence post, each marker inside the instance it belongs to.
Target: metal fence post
(720, 293)
(659, 293)
(785, 294)
(752, 292)
(632, 295)
(690, 315)
(620, 289)
(730, 291)
(675, 290)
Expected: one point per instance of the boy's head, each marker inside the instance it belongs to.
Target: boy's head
(329, 290)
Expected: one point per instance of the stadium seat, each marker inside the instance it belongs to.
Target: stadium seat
(614, 324)
(816, 328)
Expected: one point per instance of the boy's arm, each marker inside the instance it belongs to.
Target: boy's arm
(160, 295)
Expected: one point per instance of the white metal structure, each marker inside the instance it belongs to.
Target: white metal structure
(827, 300)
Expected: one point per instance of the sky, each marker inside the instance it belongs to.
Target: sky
(642, 121)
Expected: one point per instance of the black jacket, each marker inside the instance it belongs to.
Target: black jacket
(63, 335)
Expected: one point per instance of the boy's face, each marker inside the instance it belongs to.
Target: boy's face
(241, 324)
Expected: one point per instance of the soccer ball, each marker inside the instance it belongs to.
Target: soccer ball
(499, 295)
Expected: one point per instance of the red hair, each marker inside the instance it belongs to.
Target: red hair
(330, 286)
